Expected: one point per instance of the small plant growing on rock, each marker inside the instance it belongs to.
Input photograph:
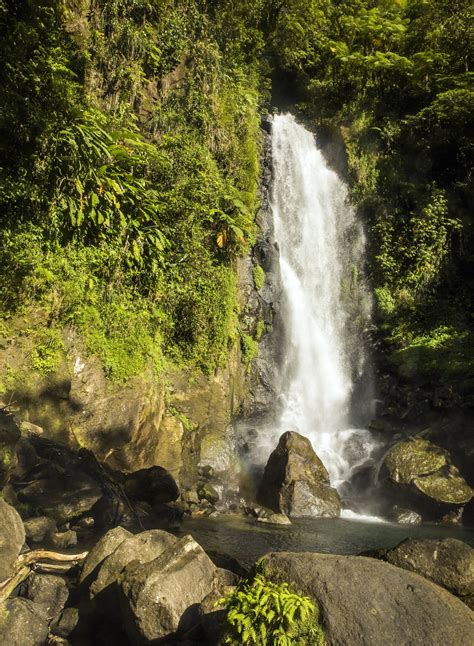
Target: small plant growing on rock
(263, 613)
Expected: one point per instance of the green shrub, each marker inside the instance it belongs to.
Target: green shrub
(249, 347)
(258, 277)
(261, 613)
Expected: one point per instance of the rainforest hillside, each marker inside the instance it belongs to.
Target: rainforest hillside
(130, 151)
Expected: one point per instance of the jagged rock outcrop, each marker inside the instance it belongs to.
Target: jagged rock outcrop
(295, 481)
(365, 602)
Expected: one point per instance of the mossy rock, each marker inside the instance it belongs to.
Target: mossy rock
(445, 487)
(409, 460)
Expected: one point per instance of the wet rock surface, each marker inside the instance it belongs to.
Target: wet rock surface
(295, 481)
(365, 602)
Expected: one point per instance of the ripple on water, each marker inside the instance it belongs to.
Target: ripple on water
(246, 541)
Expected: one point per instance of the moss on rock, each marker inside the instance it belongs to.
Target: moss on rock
(418, 457)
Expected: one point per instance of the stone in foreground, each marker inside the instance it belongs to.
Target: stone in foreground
(162, 596)
(365, 602)
(295, 481)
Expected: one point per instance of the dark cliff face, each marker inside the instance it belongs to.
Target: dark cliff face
(265, 303)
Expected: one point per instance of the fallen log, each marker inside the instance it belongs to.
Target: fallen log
(32, 560)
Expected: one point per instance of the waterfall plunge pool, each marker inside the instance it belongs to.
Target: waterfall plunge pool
(246, 541)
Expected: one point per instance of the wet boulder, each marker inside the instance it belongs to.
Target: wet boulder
(12, 538)
(161, 597)
(365, 602)
(420, 473)
(447, 562)
(295, 481)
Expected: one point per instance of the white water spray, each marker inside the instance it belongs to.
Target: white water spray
(325, 304)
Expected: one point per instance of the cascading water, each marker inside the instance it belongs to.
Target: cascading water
(325, 304)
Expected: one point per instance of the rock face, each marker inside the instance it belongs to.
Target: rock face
(295, 481)
(447, 562)
(162, 596)
(12, 538)
(365, 602)
(422, 473)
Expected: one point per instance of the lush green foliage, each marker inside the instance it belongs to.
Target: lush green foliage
(128, 177)
(261, 613)
(129, 162)
(397, 77)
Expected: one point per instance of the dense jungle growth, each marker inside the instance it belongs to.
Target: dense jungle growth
(130, 160)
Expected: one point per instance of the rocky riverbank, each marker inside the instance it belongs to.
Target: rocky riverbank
(152, 587)
(87, 557)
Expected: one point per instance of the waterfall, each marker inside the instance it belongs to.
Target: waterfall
(325, 303)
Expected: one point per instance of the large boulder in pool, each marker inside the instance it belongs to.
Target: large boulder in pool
(423, 474)
(365, 602)
(447, 562)
(295, 481)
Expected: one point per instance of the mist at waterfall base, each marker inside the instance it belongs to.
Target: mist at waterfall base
(326, 392)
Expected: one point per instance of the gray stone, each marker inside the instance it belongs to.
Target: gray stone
(65, 623)
(365, 602)
(22, 623)
(142, 548)
(161, 596)
(48, 591)
(62, 540)
(102, 549)
(447, 562)
(405, 516)
(268, 517)
(12, 538)
(295, 481)
(62, 497)
(37, 528)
